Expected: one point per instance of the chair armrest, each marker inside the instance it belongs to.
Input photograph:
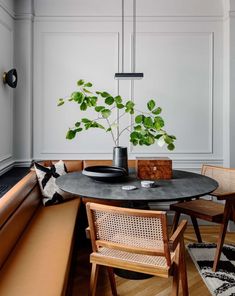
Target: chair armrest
(220, 195)
(177, 235)
(88, 232)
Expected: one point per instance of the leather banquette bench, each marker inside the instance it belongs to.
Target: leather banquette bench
(36, 242)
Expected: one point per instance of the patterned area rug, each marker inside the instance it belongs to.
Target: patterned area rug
(222, 282)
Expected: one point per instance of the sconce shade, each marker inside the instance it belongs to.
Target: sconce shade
(10, 78)
(128, 76)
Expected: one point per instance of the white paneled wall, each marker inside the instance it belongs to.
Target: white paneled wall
(184, 48)
(6, 93)
(179, 52)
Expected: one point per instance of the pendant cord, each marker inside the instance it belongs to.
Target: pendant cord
(134, 37)
(123, 36)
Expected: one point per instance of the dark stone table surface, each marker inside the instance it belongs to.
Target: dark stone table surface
(184, 185)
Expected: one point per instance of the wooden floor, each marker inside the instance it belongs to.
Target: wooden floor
(154, 286)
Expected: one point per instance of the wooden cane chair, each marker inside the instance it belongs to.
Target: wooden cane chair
(209, 210)
(135, 240)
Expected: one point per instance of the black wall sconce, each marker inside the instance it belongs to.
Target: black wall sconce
(10, 78)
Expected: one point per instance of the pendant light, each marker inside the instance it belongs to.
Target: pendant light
(129, 75)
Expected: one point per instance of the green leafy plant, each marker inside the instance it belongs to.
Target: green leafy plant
(146, 129)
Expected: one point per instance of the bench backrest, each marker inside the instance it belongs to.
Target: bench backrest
(18, 206)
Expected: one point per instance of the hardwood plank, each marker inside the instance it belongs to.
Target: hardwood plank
(79, 281)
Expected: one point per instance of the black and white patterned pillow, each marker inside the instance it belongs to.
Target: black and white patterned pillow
(46, 178)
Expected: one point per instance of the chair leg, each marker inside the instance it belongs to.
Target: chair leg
(93, 280)
(182, 269)
(223, 229)
(175, 222)
(196, 229)
(176, 278)
(112, 281)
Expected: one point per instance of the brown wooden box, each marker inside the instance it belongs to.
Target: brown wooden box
(154, 168)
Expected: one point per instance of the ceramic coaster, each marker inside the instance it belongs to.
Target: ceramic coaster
(128, 187)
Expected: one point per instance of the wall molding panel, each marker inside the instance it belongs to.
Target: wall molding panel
(6, 94)
(200, 42)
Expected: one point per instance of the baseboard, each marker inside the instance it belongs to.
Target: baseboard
(23, 163)
(6, 168)
(11, 164)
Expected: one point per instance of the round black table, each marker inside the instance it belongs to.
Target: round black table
(183, 186)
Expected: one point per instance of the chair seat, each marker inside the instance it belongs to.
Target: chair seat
(153, 263)
(202, 209)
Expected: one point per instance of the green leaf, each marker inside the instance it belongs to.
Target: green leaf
(77, 124)
(105, 113)
(88, 101)
(80, 82)
(157, 111)
(158, 136)
(120, 106)
(171, 147)
(93, 101)
(78, 129)
(134, 135)
(151, 104)
(130, 105)
(98, 92)
(109, 100)
(77, 96)
(108, 129)
(86, 120)
(97, 125)
(88, 84)
(104, 94)
(70, 134)
(150, 140)
(83, 106)
(138, 128)
(168, 139)
(134, 141)
(60, 102)
(87, 91)
(148, 122)
(139, 118)
(172, 137)
(88, 125)
(131, 111)
(99, 108)
(158, 123)
(118, 99)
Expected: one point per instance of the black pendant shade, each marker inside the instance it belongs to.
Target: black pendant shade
(129, 76)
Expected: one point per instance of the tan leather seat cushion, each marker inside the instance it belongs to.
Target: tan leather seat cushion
(38, 265)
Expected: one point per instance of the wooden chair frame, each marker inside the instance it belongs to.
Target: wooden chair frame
(175, 267)
(227, 211)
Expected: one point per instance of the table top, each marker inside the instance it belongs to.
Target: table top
(184, 185)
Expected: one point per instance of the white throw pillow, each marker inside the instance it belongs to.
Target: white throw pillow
(46, 178)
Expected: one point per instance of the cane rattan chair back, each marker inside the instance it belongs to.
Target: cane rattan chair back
(131, 239)
(225, 178)
(210, 210)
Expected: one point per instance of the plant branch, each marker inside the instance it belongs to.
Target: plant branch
(115, 141)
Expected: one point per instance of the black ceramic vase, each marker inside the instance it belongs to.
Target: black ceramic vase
(120, 157)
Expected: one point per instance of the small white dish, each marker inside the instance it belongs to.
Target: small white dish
(147, 184)
(128, 187)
